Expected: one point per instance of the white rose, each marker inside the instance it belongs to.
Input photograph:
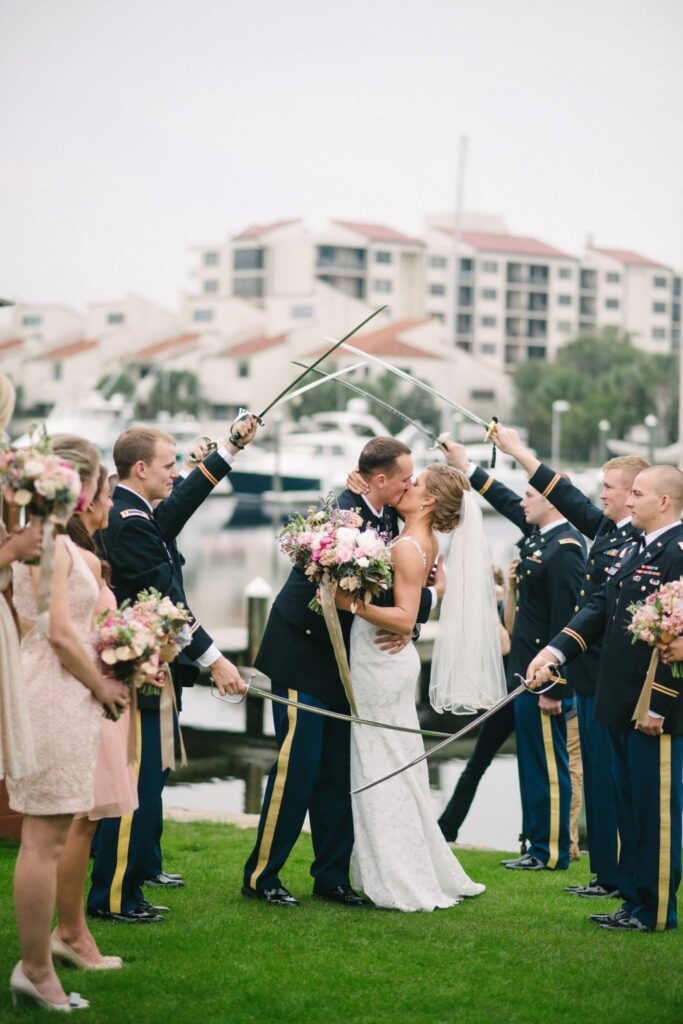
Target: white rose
(345, 533)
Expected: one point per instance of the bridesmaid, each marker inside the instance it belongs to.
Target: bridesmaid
(65, 692)
(115, 782)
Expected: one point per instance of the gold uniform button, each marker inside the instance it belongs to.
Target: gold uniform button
(582, 593)
(576, 607)
(592, 561)
(643, 588)
(308, 632)
(537, 640)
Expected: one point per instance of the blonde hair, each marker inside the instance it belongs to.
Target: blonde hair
(7, 401)
(447, 486)
(82, 454)
(630, 465)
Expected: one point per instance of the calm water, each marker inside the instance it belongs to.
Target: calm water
(226, 546)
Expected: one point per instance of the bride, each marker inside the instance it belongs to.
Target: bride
(400, 857)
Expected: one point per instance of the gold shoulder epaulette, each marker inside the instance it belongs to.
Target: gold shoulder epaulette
(571, 540)
(134, 512)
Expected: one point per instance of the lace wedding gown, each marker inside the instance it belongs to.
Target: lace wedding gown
(400, 858)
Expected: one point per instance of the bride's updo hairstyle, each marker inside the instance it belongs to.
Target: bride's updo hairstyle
(82, 454)
(447, 486)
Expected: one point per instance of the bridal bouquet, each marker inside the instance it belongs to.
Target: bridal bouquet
(659, 619)
(36, 479)
(329, 546)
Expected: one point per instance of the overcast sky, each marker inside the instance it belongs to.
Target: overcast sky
(132, 129)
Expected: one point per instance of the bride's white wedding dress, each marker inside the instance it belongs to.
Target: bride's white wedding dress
(400, 858)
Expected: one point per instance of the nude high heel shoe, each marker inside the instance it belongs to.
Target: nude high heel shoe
(68, 955)
(22, 988)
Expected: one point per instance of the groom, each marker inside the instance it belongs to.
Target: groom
(312, 771)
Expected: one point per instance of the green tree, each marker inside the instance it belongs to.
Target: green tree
(603, 377)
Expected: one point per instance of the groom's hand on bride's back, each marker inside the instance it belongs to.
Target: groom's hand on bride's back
(437, 577)
(392, 643)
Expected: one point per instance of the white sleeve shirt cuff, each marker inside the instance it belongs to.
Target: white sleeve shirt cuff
(225, 454)
(432, 591)
(558, 654)
(210, 655)
(470, 470)
(653, 714)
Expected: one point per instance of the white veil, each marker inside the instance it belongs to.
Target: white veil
(467, 664)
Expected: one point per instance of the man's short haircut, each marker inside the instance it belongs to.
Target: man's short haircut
(630, 465)
(380, 455)
(668, 480)
(137, 444)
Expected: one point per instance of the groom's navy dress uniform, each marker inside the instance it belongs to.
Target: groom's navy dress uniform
(647, 769)
(608, 540)
(312, 771)
(549, 576)
(140, 545)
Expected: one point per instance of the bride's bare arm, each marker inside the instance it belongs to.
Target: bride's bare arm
(408, 579)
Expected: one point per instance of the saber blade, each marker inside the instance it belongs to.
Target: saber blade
(316, 383)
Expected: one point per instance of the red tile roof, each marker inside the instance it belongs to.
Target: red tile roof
(378, 232)
(7, 346)
(514, 245)
(165, 347)
(253, 345)
(629, 257)
(387, 342)
(256, 230)
(71, 348)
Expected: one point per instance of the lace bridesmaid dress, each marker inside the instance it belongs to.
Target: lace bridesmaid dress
(16, 743)
(66, 718)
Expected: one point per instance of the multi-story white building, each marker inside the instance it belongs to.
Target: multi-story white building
(44, 324)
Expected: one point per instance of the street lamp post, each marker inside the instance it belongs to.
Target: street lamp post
(651, 423)
(604, 427)
(560, 406)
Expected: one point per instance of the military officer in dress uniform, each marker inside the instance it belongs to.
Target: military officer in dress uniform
(312, 771)
(610, 531)
(139, 544)
(647, 758)
(549, 574)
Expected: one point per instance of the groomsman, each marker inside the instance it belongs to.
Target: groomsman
(140, 545)
(647, 758)
(609, 530)
(312, 771)
(549, 575)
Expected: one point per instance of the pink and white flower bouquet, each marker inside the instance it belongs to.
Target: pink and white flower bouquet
(659, 619)
(36, 479)
(328, 544)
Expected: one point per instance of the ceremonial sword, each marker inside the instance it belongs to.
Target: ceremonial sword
(256, 691)
(507, 699)
(235, 438)
(436, 441)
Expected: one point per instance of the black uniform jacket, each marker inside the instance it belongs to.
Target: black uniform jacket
(549, 577)
(141, 548)
(608, 540)
(624, 664)
(295, 651)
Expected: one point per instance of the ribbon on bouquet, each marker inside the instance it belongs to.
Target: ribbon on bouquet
(642, 708)
(331, 615)
(167, 708)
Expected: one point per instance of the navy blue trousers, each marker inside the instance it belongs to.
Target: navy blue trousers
(311, 774)
(647, 776)
(599, 795)
(128, 849)
(544, 781)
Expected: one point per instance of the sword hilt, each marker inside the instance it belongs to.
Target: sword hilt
(242, 415)
(229, 700)
(557, 680)
(211, 446)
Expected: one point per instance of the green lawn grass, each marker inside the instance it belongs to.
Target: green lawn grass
(523, 953)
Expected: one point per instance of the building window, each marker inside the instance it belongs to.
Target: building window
(564, 326)
(659, 282)
(381, 284)
(612, 277)
(489, 267)
(57, 371)
(210, 287)
(243, 368)
(564, 300)
(482, 395)
(659, 307)
(565, 273)
(466, 265)
(204, 316)
(381, 256)
(659, 332)
(487, 349)
(437, 289)
(31, 321)
(465, 295)
(248, 287)
(301, 312)
(247, 259)
(538, 273)
(211, 259)
(438, 262)
(489, 293)
(611, 303)
(441, 317)
(340, 257)
(464, 346)
(116, 318)
(464, 323)
(536, 352)
(488, 321)
(589, 279)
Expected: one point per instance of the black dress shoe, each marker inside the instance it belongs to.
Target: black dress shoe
(137, 916)
(343, 894)
(154, 908)
(166, 881)
(278, 897)
(622, 921)
(525, 863)
(591, 890)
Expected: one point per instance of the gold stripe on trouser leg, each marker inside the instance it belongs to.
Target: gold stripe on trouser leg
(554, 789)
(664, 831)
(276, 796)
(115, 892)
